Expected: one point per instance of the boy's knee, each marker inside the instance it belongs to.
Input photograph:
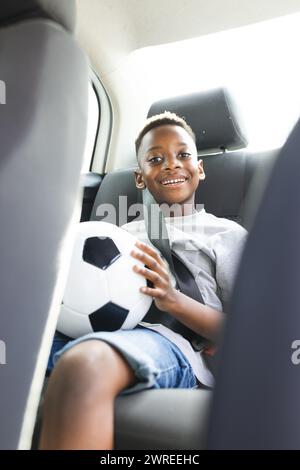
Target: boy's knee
(94, 362)
(86, 358)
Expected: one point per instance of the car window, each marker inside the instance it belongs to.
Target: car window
(258, 63)
(92, 127)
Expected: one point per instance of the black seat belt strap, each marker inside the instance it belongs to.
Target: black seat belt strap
(158, 235)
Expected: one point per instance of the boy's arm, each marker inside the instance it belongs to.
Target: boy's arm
(200, 318)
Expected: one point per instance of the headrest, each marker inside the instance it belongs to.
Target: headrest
(61, 11)
(211, 114)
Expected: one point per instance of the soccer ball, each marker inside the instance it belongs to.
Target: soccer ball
(102, 291)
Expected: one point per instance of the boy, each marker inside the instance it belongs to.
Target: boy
(93, 370)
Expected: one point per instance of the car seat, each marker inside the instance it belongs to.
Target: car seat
(43, 115)
(177, 419)
(258, 408)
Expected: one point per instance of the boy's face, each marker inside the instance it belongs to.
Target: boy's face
(168, 165)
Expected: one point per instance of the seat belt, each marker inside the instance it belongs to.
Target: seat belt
(185, 281)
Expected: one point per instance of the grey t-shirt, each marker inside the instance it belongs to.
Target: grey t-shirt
(211, 248)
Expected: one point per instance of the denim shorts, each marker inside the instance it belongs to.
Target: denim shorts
(156, 361)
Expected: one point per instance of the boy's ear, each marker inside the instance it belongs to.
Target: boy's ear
(201, 170)
(139, 181)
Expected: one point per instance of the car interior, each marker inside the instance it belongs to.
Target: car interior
(55, 59)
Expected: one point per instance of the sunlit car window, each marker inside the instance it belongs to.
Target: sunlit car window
(92, 126)
(258, 63)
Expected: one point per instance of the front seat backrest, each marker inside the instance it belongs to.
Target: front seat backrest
(42, 134)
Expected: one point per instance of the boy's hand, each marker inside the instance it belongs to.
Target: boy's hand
(155, 270)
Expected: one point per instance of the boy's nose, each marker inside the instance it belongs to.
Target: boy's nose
(171, 163)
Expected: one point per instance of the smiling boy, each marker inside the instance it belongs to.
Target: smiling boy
(209, 246)
(168, 164)
(92, 370)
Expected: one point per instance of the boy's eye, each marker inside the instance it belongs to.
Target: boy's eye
(155, 160)
(184, 155)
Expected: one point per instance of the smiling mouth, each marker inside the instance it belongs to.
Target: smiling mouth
(173, 182)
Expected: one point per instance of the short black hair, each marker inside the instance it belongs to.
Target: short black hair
(163, 119)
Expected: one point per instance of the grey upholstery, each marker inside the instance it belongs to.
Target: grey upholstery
(162, 419)
(42, 134)
(213, 116)
(62, 12)
(124, 181)
(258, 408)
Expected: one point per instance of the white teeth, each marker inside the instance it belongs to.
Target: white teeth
(181, 180)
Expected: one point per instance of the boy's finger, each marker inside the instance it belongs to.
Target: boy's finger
(154, 293)
(151, 252)
(148, 249)
(150, 275)
(152, 263)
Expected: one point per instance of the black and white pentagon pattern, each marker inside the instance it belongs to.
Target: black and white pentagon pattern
(101, 252)
(109, 317)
